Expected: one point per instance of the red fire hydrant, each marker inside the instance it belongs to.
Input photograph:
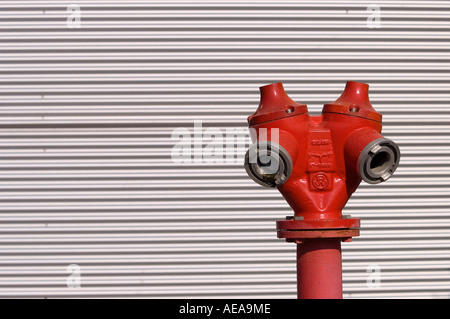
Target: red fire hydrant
(317, 162)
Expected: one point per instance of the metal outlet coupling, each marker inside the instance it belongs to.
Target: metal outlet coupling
(378, 161)
(268, 164)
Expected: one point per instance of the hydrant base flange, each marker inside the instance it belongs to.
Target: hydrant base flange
(301, 235)
(318, 224)
(297, 230)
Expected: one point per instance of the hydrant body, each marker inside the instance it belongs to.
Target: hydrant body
(317, 162)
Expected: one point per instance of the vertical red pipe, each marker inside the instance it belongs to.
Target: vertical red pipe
(319, 269)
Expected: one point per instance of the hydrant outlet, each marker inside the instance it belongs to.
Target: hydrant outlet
(378, 160)
(268, 164)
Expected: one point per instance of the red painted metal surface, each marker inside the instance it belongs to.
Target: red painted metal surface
(319, 265)
(324, 155)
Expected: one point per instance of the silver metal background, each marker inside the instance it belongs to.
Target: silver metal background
(85, 126)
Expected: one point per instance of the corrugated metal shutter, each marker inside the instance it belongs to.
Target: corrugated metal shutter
(86, 120)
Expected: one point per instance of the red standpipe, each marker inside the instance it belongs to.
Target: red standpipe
(317, 162)
(319, 269)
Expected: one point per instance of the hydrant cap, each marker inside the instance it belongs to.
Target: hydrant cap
(354, 101)
(275, 104)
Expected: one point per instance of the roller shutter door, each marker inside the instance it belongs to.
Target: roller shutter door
(92, 204)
